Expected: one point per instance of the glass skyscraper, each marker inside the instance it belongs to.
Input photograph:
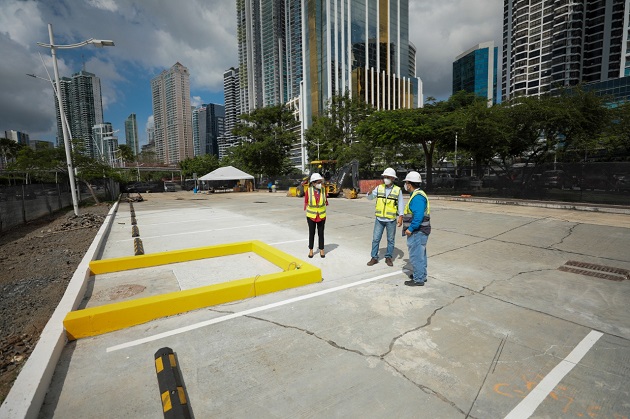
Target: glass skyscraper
(360, 47)
(475, 71)
(131, 133)
(83, 107)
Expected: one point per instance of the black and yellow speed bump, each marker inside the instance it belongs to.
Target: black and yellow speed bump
(138, 248)
(172, 391)
(94, 321)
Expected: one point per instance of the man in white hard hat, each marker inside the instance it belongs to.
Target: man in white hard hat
(417, 227)
(389, 212)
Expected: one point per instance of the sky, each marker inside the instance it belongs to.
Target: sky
(152, 35)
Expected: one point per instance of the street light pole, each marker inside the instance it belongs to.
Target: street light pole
(455, 153)
(66, 140)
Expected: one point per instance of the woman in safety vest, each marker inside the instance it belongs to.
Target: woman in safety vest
(315, 202)
(417, 227)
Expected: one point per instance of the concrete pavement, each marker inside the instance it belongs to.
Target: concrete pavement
(525, 311)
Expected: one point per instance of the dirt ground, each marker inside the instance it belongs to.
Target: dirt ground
(37, 261)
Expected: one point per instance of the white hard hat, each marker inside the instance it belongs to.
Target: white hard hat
(389, 172)
(316, 177)
(413, 177)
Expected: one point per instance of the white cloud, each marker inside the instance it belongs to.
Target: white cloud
(151, 36)
(108, 5)
(196, 101)
(443, 29)
(150, 123)
(17, 20)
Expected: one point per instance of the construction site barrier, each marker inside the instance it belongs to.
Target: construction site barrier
(172, 390)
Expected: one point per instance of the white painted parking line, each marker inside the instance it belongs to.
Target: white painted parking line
(290, 241)
(201, 220)
(245, 313)
(530, 403)
(186, 233)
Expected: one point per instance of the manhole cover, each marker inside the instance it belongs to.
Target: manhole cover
(259, 202)
(597, 271)
(119, 292)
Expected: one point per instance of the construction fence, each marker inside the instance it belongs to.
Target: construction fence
(20, 204)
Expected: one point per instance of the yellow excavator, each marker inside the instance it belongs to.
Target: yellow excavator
(345, 179)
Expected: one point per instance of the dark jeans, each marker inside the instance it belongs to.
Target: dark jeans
(320, 232)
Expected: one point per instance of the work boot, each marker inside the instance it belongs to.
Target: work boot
(413, 283)
(388, 261)
(372, 262)
(425, 279)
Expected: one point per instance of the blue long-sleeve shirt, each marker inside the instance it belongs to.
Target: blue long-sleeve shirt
(417, 205)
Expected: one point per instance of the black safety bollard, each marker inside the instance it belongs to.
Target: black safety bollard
(172, 391)
(137, 247)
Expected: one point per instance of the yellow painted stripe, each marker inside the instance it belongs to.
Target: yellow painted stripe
(166, 401)
(159, 366)
(165, 258)
(171, 358)
(102, 319)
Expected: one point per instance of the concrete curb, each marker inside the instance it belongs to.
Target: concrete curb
(27, 393)
(576, 206)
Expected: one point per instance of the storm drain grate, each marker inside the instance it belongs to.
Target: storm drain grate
(596, 271)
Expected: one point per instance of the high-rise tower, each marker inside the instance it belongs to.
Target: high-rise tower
(83, 107)
(359, 47)
(131, 133)
(231, 91)
(172, 115)
(550, 44)
(475, 71)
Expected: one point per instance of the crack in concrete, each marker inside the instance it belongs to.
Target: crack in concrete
(551, 246)
(487, 238)
(510, 278)
(381, 357)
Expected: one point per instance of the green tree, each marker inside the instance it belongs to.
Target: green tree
(426, 127)
(126, 153)
(8, 150)
(200, 165)
(269, 135)
(483, 132)
(43, 164)
(333, 135)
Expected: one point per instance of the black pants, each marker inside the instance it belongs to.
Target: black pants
(320, 232)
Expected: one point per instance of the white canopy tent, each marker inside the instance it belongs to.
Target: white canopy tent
(227, 173)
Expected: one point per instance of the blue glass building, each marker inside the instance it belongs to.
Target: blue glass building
(475, 71)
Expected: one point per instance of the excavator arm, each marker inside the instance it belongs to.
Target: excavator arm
(347, 179)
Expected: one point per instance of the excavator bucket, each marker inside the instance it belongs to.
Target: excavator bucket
(350, 193)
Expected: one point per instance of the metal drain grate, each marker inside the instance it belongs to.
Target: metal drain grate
(597, 271)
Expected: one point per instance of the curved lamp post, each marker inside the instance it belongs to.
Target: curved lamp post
(66, 140)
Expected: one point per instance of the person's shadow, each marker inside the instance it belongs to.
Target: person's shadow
(396, 254)
(330, 247)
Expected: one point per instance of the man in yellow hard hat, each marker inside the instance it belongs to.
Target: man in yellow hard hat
(389, 213)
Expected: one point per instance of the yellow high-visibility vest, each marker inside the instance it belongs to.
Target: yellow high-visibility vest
(425, 226)
(315, 206)
(387, 206)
